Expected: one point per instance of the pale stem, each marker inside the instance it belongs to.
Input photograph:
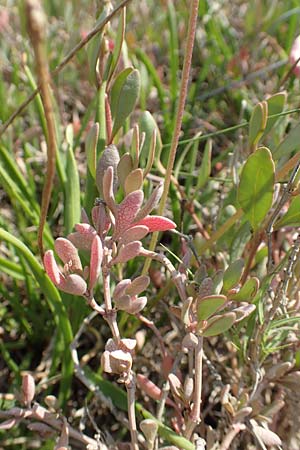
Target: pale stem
(130, 386)
(234, 431)
(194, 417)
(191, 31)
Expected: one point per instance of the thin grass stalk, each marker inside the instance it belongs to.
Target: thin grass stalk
(179, 115)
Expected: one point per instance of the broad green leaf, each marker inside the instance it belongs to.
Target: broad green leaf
(275, 106)
(205, 168)
(289, 144)
(247, 291)
(219, 324)
(124, 95)
(232, 274)
(207, 306)
(147, 125)
(91, 148)
(255, 191)
(257, 123)
(292, 217)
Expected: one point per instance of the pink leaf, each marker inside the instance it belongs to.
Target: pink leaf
(73, 284)
(295, 55)
(120, 288)
(68, 253)
(157, 223)
(52, 269)
(127, 211)
(135, 233)
(128, 252)
(96, 261)
(83, 236)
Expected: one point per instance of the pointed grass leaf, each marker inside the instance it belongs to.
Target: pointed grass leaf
(232, 274)
(247, 291)
(219, 324)
(91, 148)
(133, 181)
(292, 217)
(257, 123)
(207, 306)
(275, 106)
(205, 168)
(124, 95)
(72, 206)
(289, 143)
(255, 191)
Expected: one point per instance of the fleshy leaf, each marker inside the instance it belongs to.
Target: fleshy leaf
(219, 324)
(247, 291)
(292, 216)
(96, 260)
(207, 306)
(138, 285)
(51, 268)
(125, 166)
(135, 233)
(83, 237)
(157, 223)
(128, 252)
(109, 158)
(232, 274)
(73, 284)
(255, 191)
(257, 123)
(275, 106)
(120, 288)
(108, 192)
(124, 95)
(133, 181)
(151, 203)
(127, 211)
(91, 148)
(68, 253)
(267, 436)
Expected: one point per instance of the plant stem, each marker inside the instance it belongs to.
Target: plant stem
(130, 387)
(194, 417)
(191, 31)
(36, 28)
(234, 431)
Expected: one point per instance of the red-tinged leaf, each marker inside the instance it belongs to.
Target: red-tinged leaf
(151, 203)
(138, 285)
(28, 388)
(96, 261)
(9, 423)
(52, 269)
(128, 252)
(127, 211)
(135, 233)
(120, 288)
(68, 253)
(157, 223)
(148, 387)
(73, 284)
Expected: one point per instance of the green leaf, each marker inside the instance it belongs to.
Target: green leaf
(289, 144)
(275, 106)
(292, 217)
(219, 324)
(124, 95)
(91, 148)
(147, 125)
(205, 168)
(207, 306)
(247, 292)
(255, 191)
(257, 123)
(72, 206)
(232, 274)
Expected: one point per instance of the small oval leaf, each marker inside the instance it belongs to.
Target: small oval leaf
(255, 191)
(247, 292)
(219, 324)
(207, 306)
(232, 274)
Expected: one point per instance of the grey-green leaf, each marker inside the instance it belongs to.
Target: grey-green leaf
(289, 143)
(219, 324)
(275, 106)
(292, 217)
(255, 191)
(124, 95)
(232, 274)
(207, 306)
